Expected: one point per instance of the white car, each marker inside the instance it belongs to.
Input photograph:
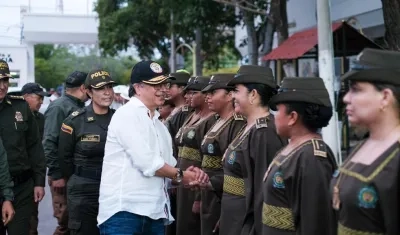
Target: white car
(17, 91)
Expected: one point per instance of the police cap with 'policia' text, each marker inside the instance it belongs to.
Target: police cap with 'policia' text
(149, 72)
(75, 79)
(98, 78)
(4, 70)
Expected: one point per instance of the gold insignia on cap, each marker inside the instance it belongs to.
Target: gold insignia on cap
(155, 67)
(3, 65)
(156, 80)
(67, 129)
(319, 149)
(99, 74)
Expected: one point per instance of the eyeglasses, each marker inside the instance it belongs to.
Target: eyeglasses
(161, 86)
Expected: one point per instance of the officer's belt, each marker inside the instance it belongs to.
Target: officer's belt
(94, 174)
(22, 178)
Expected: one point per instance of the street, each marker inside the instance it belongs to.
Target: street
(47, 223)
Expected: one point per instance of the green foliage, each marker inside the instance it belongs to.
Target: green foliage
(209, 72)
(146, 24)
(53, 64)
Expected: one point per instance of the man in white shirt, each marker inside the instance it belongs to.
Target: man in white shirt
(138, 164)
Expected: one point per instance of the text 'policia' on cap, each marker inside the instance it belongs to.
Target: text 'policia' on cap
(98, 78)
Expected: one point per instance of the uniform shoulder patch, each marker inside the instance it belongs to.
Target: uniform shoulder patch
(185, 108)
(77, 113)
(238, 117)
(319, 148)
(67, 129)
(262, 122)
(16, 97)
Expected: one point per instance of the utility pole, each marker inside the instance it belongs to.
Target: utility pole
(173, 46)
(326, 72)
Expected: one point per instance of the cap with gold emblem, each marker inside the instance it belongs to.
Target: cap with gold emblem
(375, 65)
(149, 72)
(298, 89)
(254, 74)
(197, 83)
(4, 70)
(98, 78)
(220, 81)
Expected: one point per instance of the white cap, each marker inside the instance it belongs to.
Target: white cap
(125, 93)
(118, 89)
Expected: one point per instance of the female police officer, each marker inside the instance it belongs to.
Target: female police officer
(81, 148)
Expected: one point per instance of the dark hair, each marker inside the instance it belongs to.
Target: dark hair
(266, 92)
(393, 88)
(313, 116)
(131, 91)
(169, 103)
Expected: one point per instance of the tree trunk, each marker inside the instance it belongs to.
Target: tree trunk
(391, 16)
(282, 26)
(268, 41)
(199, 59)
(252, 45)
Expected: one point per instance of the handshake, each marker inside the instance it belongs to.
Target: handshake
(196, 179)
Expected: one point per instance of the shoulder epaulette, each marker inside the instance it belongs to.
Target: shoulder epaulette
(319, 148)
(238, 117)
(16, 97)
(262, 122)
(77, 113)
(185, 108)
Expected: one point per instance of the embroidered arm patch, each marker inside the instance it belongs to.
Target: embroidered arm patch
(67, 129)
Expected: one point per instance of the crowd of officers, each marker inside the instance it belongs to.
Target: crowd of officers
(260, 183)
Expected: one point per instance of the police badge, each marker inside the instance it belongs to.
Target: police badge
(18, 116)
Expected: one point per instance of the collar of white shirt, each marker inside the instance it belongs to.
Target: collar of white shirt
(138, 103)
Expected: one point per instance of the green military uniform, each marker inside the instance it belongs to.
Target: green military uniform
(55, 114)
(20, 135)
(6, 184)
(81, 150)
(35, 89)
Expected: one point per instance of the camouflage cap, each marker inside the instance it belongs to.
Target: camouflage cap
(375, 65)
(301, 89)
(98, 78)
(4, 70)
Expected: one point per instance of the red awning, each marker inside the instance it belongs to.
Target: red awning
(302, 42)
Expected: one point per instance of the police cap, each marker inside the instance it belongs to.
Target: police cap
(98, 78)
(4, 70)
(33, 88)
(75, 79)
(149, 72)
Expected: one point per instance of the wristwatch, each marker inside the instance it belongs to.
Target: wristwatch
(179, 176)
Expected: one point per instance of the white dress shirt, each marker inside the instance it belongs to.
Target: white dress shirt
(136, 147)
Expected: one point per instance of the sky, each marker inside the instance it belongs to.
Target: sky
(10, 20)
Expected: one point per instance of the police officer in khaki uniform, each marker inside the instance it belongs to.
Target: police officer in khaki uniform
(81, 149)
(20, 135)
(74, 99)
(33, 94)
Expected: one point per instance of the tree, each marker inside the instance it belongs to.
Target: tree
(271, 17)
(391, 16)
(146, 25)
(53, 64)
